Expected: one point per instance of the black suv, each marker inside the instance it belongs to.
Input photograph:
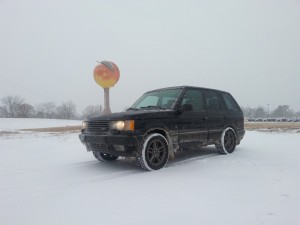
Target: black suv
(163, 121)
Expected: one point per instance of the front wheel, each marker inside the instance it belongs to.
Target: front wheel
(102, 157)
(228, 141)
(153, 153)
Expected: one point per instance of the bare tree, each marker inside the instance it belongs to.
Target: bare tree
(92, 111)
(282, 111)
(66, 110)
(25, 111)
(10, 106)
(248, 111)
(46, 110)
(259, 112)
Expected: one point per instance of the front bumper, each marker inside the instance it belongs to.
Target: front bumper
(119, 145)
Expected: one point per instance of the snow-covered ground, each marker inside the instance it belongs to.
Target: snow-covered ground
(9, 124)
(49, 179)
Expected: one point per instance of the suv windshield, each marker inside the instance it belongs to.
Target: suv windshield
(161, 99)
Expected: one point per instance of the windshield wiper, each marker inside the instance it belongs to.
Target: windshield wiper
(133, 109)
(152, 107)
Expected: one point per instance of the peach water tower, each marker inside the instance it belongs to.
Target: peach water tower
(106, 74)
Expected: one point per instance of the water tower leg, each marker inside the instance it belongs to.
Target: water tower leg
(106, 109)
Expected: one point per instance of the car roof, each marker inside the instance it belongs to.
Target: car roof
(185, 86)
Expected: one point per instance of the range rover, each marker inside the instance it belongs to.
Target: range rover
(164, 121)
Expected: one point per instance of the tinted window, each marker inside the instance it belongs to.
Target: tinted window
(212, 101)
(195, 98)
(161, 98)
(149, 101)
(230, 103)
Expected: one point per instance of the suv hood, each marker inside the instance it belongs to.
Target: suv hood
(136, 115)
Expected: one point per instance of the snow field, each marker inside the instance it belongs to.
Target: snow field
(51, 179)
(13, 124)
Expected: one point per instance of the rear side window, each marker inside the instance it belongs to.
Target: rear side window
(230, 103)
(212, 101)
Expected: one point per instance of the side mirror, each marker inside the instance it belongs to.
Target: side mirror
(185, 108)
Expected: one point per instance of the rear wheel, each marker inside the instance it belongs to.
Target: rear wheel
(153, 153)
(102, 157)
(228, 141)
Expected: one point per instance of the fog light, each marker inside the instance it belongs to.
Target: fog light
(119, 148)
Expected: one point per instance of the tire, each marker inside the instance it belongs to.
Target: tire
(103, 157)
(228, 141)
(153, 153)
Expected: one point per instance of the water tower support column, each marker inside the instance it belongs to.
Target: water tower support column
(106, 109)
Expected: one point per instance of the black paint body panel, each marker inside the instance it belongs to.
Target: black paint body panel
(181, 128)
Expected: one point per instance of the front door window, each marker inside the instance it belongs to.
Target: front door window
(195, 98)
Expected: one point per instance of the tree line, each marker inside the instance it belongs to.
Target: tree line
(17, 107)
(282, 111)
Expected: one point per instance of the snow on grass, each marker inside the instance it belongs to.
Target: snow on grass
(9, 124)
(50, 179)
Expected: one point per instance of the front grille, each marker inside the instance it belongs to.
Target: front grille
(98, 126)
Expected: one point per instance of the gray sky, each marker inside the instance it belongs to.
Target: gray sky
(48, 49)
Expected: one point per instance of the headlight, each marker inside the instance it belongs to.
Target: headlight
(122, 125)
(118, 125)
(84, 125)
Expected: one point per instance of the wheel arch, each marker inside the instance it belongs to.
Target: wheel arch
(236, 133)
(233, 128)
(164, 133)
(221, 146)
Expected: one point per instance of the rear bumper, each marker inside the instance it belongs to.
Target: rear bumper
(240, 135)
(119, 145)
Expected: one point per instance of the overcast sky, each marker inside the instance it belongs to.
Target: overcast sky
(48, 49)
